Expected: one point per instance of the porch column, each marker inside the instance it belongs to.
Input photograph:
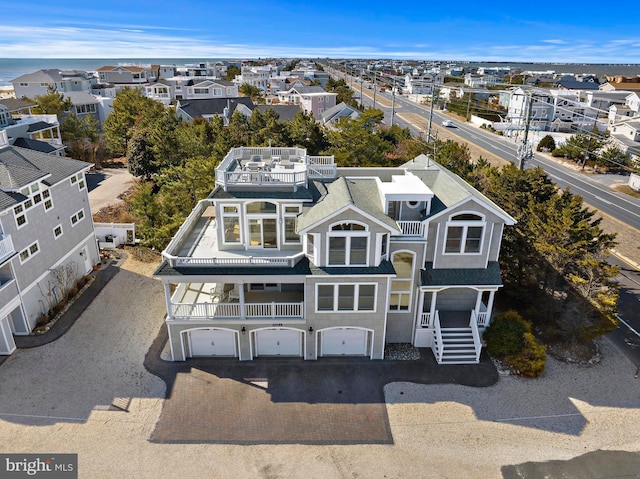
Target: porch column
(419, 308)
(243, 310)
(490, 306)
(432, 310)
(167, 297)
(478, 301)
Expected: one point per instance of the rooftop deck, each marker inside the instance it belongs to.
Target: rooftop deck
(196, 244)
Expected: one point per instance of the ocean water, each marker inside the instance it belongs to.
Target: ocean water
(11, 68)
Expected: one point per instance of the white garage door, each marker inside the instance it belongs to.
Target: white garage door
(344, 341)
(212, 342)
(278, 342)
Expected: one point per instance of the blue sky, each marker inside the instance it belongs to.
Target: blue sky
(589, 32)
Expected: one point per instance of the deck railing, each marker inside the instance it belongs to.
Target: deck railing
(425, 320)
(411, 228)
(283, 261)
(6, 247)
(188, 311)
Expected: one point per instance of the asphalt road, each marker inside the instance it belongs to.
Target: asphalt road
(627, 336)
(617, 205)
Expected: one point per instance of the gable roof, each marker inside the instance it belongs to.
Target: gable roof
(37, 145)
(212, 106)
(449, 188)
(20, 167)
(13, 104)
(338, 111)
(359, 194)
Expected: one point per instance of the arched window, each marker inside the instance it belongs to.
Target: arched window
(464, 234)
(348, 245)
(402, 284)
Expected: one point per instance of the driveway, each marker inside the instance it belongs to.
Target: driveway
(98, 360)
(105, 185)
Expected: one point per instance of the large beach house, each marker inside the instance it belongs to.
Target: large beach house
(292, 256)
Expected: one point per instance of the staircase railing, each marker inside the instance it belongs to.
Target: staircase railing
(437, 347)
(473, 323)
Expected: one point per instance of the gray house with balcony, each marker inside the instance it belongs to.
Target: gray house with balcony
(45, 223)
(291, 256)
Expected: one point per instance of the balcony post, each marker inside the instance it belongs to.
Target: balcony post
(167, 297)
(243, 309)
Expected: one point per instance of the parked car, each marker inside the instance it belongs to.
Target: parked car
(447, 123)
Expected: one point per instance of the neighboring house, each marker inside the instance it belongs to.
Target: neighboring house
(210, 89)
(480, 81)
(254, 76)
(625, 86)
(41, 82)
(570, 82)
(333, 115)
(291, 256)
(85, 104)
(36, 132)
(225, 107)
(312, 99)
(422, 85)
(45, 223)
(627, 135)
(131, 76)
(161, 91)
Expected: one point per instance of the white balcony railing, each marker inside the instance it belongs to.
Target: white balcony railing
(6, 247)
(425, 320)
(188, 311)
(411, 228)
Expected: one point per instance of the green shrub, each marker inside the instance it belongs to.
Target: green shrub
(547, 143)
(505, 334)
(529, 362)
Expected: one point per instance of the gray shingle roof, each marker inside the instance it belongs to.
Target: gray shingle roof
(361, 193)
(21, 166)
(7, 200)
(213, 106)
(13, 104)
(37, 145)
(489, 276)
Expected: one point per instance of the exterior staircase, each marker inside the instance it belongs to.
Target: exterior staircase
(457, 345)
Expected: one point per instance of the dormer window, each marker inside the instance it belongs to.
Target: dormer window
(464, 234)
(348, 245)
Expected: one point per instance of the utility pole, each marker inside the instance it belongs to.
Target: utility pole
(361, 99)
(393, 100)
(374, 89)
(524, 151)
(433, 94)
(468, 107)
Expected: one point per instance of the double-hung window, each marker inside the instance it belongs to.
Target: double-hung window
(464, 234)
(347, 297)
(231, 224)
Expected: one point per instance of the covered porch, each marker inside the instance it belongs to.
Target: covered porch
(236, 301)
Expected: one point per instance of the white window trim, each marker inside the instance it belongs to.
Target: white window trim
(356, 298)
(235, 214)
(465, 225)
(61, 231)
(17, 215)
(348, 235)
(285, 216)
(411, 280)
(78, 219)
(30, 254)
